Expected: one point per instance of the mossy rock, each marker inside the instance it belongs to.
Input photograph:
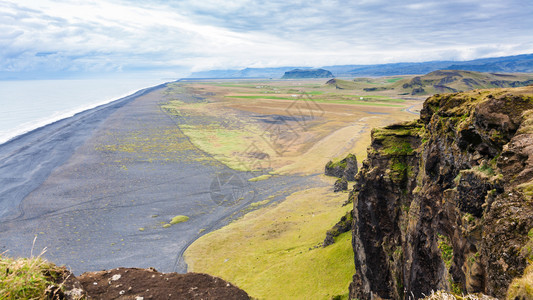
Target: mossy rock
(344, 225)
(345, 168)
(340, 185)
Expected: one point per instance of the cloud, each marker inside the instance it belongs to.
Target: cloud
(113, 35)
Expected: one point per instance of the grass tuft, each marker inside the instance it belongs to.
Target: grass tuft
(29, 278)
(179, 219)
(260, 178)
(522, 288)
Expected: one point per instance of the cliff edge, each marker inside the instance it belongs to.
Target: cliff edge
(445, 202)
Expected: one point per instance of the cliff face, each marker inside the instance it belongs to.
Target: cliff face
(445, 202)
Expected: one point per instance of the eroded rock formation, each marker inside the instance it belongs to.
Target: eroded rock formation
(345, 168)
(445, 202)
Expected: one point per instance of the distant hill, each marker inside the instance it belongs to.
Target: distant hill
(307, 73)
(442, 81)
(246, 73)
(508, 64)
(451, 81)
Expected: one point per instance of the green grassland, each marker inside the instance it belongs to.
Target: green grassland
(331, 98)
(225, 137)
(277, 253)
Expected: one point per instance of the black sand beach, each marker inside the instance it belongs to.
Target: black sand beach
(97, 188)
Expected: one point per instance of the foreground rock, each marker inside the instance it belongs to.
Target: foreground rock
(445, 202)
(132, 283)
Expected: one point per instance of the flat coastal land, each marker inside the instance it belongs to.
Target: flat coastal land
(99, 189)
(134, 183)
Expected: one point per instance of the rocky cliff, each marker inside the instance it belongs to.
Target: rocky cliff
(445, 202)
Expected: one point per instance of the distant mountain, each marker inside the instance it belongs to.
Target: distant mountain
(307, 73)
(442, 81)
(246, 73)
(452, 81)
(508, 64)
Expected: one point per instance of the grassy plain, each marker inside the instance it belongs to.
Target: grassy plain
(277, 253)
(284, 127)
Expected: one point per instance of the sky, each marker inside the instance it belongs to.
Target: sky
(178, 37)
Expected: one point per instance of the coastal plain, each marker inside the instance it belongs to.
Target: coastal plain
(160, 170)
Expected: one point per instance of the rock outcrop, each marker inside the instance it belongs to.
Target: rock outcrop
(134, 283)
(346, 168)
(445, 202)
(344, 225)
(340, 184)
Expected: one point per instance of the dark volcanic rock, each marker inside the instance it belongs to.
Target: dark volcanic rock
(340, 185)
(133, 283)
(346, 168)
(344, 225)
(307, 73)
(445, 202)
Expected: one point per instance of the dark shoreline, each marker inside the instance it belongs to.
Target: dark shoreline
(25, 151)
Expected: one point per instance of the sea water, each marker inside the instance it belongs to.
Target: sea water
(29, 104)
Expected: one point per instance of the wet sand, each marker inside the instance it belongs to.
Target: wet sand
(97, 188)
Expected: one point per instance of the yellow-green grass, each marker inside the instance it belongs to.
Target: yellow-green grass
(179, 219)
(226, 144)
(27, 278)
(367, 100)
(522, 288)
(260, 178)
(275, 252)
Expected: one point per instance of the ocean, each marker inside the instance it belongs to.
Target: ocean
(29, 104)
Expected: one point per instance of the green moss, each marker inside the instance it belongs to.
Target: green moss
(179, 219)
(446, 249)
(338, 164)
(486, 169)
(398, 148)
(456, 288)
(396, 140)
(469, 217)
(527, 188)
(399, 170)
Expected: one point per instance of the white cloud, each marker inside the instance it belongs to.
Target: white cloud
(121, 34)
